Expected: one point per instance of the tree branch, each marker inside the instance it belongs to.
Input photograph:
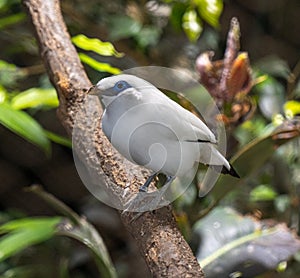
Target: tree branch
(162, 245)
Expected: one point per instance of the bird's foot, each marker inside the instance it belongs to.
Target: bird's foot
(144, 187)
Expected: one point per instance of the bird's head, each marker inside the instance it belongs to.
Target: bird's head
(108, 89)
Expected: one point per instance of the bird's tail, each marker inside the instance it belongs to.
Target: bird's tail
(224, 170)
(212, 157)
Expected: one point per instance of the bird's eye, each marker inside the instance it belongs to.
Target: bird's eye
(121, 86)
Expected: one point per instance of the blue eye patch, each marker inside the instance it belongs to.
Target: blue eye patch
(120, 86)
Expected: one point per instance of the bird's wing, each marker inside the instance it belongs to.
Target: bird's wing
(185, 120)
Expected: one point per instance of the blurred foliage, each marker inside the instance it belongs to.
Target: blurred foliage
(238, 246)
(260, 100)
(24, 125)
(98, 47)
(25, 232)
(189, 15)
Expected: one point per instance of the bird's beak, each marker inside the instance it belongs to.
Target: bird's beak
(93, 91)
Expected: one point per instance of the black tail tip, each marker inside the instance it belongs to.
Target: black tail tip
(232, 172)
(226, 171)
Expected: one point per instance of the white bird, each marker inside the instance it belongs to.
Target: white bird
(151, 130)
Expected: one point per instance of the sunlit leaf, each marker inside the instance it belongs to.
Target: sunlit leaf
(25, 232)
(25, 126)
(35, 97)
(262, 193)
(3, 94)
(122, 26)
(96, 45)
(3, 3)
(210, 10)
(103, 67)
(192, 25)
(231, 243)
(292, 108)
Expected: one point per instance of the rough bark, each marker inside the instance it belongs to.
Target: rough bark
(165, 251)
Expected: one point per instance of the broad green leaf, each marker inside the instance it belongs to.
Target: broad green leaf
(96, 45)
(210, 10)
(35, 97)
(103, 67)
(24, 125)
(25, 232)
(192, 25)
(262, 193)
(231, 242)
(123, 26)
(58, 139)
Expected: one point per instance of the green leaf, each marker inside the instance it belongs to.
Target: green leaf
(96, 45)
(192, 25)
(3, 94)
(248, 160)
(85, 233)
(210, 11)
(292, 108)
(262, 193)
(123, 26)
(35, 97)
(178, 10)
(231, 242)
(10, 74)
(78, 228)
(11, 19)
(27, 271)
(58, 139)
(25, 232)
(24, 125)
(103, 67)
